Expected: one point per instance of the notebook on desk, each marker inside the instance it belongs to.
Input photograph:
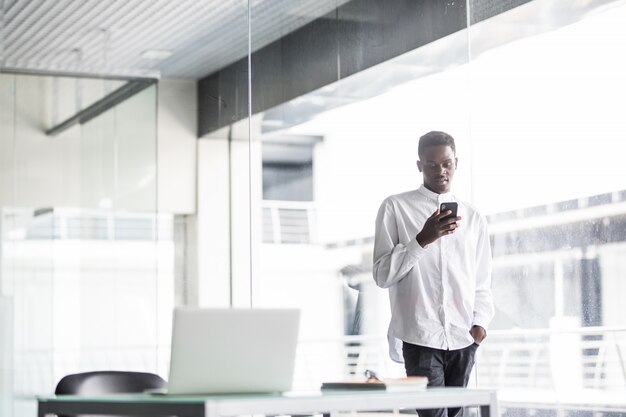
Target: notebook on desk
(413, 383)
(219, 351)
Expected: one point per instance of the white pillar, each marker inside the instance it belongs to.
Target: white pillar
(228, 215)
(246, 198)
(566, 354)
(213, 224)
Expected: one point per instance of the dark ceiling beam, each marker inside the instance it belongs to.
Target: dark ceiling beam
(351, 38)
(106, 103)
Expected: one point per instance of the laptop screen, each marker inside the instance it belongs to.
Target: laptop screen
(232, 350)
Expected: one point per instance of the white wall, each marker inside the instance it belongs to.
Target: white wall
(211, 228)
(31, 163)
(109, 162)
(223, 226)
(177, 141)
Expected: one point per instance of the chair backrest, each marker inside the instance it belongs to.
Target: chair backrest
(108, 382)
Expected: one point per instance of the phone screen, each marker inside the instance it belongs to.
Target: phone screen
(449, 206)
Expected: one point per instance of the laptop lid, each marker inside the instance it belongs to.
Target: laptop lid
(232, 350)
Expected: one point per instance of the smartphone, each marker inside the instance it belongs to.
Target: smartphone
(454, 207)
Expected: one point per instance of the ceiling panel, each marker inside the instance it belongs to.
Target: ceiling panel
(108, 37)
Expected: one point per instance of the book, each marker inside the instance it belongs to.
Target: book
(412, 383)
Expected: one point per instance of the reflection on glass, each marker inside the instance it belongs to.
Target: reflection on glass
(341, 90)
(331, 155)
(541, 125)
(78, 283)
(536, 116)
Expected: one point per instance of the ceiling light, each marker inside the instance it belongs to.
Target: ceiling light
(156, 54)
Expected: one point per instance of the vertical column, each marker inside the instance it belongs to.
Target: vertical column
(558, 286)
(565, 342)
(212, 229)
(591, 294)
(228, 219)
(591, 291)
(246, 195)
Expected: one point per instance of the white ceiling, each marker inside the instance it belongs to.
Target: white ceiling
(108, 37)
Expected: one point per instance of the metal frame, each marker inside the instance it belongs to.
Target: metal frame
(121, 94)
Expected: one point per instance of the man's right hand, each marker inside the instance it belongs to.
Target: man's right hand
(434, 228)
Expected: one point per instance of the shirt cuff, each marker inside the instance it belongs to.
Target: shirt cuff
(415, 249)
(480, 322)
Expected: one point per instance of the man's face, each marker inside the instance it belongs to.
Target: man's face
(437, 165)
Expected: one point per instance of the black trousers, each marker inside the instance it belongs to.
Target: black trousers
(444, 368)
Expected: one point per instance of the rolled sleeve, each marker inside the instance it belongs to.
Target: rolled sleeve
(392, 260)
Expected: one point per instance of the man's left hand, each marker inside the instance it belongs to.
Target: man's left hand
(478, 333)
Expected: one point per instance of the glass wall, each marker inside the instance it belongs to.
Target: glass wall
(377, 78)
(545, 135)
(530, 91)
(304, 116)
(79, 283)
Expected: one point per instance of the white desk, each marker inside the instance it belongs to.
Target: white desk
(313, 402)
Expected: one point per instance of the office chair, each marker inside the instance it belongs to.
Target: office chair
(107, 382)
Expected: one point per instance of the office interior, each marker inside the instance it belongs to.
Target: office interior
(233, 153)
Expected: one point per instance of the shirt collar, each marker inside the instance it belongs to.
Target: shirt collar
(444, 197)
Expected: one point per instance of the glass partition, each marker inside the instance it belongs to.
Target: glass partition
(297, 119)
(79, 285)
(546, 134)
(529, 91)
(360, 83)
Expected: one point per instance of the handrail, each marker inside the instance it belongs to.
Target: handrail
(541, 332)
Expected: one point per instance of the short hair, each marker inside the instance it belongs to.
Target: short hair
(435, 138)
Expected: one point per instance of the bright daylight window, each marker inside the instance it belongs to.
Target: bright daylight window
(537, 118)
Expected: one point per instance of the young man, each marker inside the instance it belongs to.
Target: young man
(438, 273)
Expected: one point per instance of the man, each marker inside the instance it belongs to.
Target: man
(438, 273)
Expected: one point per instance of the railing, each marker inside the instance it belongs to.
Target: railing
(563, 370)
(288, 222)
(84, 224)
(582, 358)
(580, 369)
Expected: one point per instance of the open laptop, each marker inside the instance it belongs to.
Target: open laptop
(217, 351)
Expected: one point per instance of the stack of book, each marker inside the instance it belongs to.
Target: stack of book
(412, 383)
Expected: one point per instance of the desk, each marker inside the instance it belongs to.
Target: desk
(313, 402)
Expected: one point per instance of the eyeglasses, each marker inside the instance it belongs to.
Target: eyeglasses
(371, 376)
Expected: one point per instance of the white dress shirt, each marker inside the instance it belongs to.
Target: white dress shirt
(438, 292)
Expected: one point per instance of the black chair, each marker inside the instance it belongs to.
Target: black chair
(108, 382)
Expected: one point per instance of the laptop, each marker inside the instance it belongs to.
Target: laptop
(223, 351)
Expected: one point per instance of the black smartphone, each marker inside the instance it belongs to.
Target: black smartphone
(454, 207)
